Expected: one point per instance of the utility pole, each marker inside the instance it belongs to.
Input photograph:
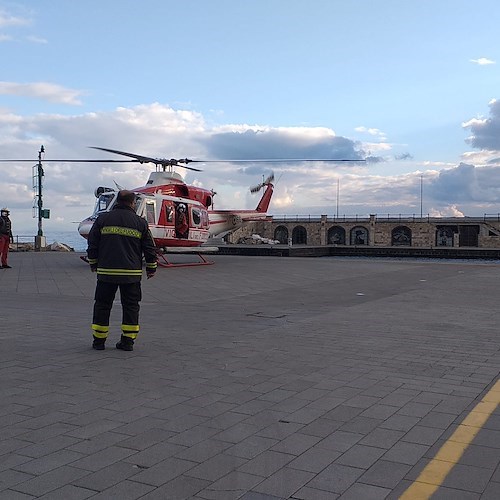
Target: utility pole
(40, 241)
(39, 195)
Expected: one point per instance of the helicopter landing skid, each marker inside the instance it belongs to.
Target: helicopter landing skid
(167, 263)
(163, 261)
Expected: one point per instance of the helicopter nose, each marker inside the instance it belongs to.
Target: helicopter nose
(85, 226)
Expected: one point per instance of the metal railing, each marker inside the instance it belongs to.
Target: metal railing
(23, 243)
(350, 218)
(296, 218)
(492, 217)
(403, 217)
(383, 217)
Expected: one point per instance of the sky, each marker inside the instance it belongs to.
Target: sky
(410, 86)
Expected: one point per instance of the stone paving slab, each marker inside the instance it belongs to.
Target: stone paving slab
(257, 378)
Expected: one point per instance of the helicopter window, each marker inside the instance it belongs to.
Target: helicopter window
(196, 216)
(150, 212)
(170, 213)
(103, 202)
(204, 218)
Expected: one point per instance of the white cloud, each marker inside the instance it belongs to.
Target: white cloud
(7, 19)
(283, 200)
(482, 61)
(485, 131)
(403, 156)
(371, 131)
(242, 141)
(42, 90)
(23, 18)
(377, 147)
(449, 211)
(478, 158)
(36, 39)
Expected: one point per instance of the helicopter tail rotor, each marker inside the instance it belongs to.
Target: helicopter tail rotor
(258, 187)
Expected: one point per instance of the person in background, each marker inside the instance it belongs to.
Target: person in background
(116, 243)
(5, 237)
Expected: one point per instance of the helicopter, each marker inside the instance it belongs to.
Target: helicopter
(178, 215)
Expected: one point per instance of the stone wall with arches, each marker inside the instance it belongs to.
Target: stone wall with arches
(374, 231)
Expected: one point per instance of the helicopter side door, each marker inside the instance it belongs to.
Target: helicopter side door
(181, 220)
(166, 218)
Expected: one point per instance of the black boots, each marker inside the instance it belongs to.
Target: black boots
(98, 343)
(125, 344)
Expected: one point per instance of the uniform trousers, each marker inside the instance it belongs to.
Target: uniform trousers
(130, 295)
(4, 248)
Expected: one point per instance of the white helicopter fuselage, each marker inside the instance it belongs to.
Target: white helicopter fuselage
(178, 220)
(173, 221)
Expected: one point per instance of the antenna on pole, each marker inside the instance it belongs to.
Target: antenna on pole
(338, 193)
(421, 194)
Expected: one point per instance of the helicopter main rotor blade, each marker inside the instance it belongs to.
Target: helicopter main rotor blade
(164, 162)
(275, 160)
(140, 158)
(144, 159)
(74, 161)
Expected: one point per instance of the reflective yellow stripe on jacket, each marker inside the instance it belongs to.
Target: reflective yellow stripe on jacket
(119, 272)
(121, 231)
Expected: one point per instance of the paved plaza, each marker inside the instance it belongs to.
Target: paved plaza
(257, 378)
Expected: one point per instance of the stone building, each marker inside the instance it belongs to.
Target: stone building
(429, 232)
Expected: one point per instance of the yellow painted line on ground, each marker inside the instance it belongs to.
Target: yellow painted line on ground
(435, 472)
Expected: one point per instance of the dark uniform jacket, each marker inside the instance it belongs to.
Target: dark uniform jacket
(6, 227)
(116, 243)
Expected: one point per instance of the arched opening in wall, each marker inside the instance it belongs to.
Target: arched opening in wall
(281, 234)
(359, 235)
(444, 236)
(336, 235)
(299, 235)
(468, 236)
(401, 236)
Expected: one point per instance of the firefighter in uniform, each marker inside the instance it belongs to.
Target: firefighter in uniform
(116, 243)
(5, 237)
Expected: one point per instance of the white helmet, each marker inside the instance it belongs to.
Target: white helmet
(5, 210)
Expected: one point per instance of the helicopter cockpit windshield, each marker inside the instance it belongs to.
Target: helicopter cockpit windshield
(104, 203)
(139, 205)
